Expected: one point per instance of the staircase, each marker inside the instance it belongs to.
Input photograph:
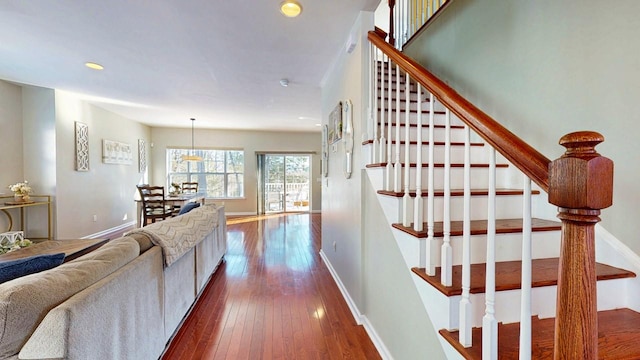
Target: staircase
(461, 210)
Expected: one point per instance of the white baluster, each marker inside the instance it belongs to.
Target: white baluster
(383, 142)
(406, 199)
(389, 168)
(376, 143)
(403, 21)
(525, 301)
(466, 310)
(397, 167)
(418, 203)
(489, 322)
(446, 262)
(432, 246)
(371, 97)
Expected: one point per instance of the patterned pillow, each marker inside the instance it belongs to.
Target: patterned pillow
(188, 207)
(17, 268)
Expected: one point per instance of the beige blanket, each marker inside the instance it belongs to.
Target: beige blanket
(179, 234)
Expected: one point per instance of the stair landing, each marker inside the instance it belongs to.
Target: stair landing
(618, 334)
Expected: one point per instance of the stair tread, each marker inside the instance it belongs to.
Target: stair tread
(618, 332)
(424, 125)
(426, 142)
(458, 192)
(425, 165)
(479, 227)
(415, 111)
(508, 275)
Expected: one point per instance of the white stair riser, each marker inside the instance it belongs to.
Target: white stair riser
(479, 178)
(543, 303)
(478, 154)
(413, 96)
(457, 135)
(439, 118)
(413, 104)
(546, 244)
(510, 207)
(508, 247)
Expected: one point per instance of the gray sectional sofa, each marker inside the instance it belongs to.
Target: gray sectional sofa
(124, 300)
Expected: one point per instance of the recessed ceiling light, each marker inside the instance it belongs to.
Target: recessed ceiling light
(290, 8)
(94, 66)
(318, 124)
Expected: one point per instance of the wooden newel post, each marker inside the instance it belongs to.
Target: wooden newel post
(392, 39)
(580, 184)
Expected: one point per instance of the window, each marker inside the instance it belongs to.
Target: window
(220, 174)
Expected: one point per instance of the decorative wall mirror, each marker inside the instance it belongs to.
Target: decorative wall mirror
(348, 137)
(325, 150)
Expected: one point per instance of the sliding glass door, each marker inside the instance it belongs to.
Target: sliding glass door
(285, 185)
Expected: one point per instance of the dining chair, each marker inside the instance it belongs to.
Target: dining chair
(189, 187)
(153, 203)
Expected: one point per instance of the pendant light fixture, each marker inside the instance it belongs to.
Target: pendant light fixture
(192, 156)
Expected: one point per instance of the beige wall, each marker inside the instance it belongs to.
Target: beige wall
(106, 190)
(11, 136)
(38, 126)
(546, 68)
(39, 143)
(11, 163)
(249, 141)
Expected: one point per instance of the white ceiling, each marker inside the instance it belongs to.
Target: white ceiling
(169, 60)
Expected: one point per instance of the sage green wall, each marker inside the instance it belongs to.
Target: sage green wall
(546, 68)
(249, 141)
(366, 258)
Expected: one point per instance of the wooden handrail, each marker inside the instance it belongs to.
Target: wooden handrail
(531, 162)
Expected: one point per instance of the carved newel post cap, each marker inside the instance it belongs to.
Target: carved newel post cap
(581, 178)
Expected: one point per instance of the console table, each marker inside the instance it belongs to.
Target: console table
(7, 203)
(71, 249)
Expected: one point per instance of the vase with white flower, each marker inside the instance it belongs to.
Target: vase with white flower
(21, 191)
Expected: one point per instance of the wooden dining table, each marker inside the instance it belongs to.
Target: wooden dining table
(175, 200)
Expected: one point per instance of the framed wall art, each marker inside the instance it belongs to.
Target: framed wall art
(142, 156)
(335, 124)
(114, 152)
(82, 146)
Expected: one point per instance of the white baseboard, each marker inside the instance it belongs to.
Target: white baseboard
(240, 213)
(375, 339)
(621, 252)
(357, 316)
(103, 233)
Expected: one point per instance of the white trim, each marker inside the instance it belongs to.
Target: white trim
(375, 339)
(357, 316)
(103, 233)
(242, 213)
(621, 250)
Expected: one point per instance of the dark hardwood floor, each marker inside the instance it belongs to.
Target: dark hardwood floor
(272, 298)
